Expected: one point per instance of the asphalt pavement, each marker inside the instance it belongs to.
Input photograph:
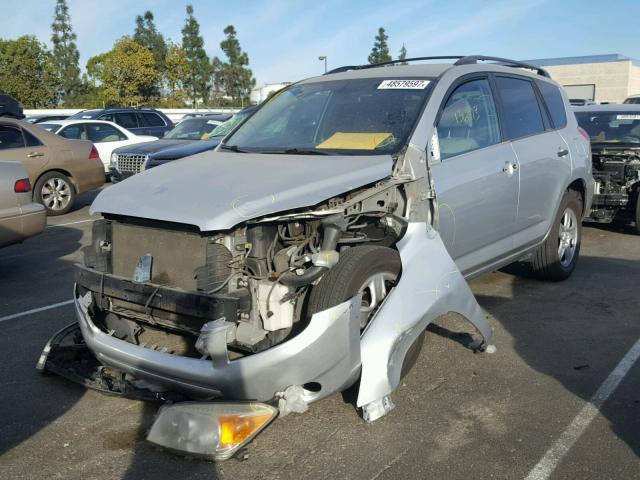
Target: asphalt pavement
(526, 411)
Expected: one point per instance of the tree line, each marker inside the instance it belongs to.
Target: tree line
(142, 69)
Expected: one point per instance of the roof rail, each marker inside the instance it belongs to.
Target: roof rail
(374, 65)
(471, 59)
(460, 60)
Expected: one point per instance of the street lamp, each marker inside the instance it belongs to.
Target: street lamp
(321, 58)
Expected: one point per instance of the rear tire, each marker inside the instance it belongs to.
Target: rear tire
(359, 270)
(556, 258)
(56, 192)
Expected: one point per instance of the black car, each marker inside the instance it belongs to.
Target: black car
(191, 136)
(143, 121)
(10, 107)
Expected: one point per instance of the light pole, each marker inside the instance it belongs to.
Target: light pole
(321, 58)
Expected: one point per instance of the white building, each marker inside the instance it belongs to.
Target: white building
(260, 94)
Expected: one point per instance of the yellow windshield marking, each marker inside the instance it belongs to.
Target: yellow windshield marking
(356, 141)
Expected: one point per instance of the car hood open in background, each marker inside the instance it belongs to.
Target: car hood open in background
(216, 191)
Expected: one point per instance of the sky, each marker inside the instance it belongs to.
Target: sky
(284, 38)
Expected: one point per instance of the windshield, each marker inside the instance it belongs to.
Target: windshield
(193, 129)
(49, 127)
(224, 128)
(365, 116)
(611, 127)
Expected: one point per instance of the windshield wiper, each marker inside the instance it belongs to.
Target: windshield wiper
(302, 151)
(233, 148)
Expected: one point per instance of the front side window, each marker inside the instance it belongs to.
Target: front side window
(193, 128)
(468, 121)
(10, 137)
(101, 133)
(127, 119)
(611, 127)
(352, 117)
(521, 111)
(74, 132)
(555, 103)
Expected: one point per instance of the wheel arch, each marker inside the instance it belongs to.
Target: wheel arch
(59, 170)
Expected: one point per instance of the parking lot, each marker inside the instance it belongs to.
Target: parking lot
(459, 414)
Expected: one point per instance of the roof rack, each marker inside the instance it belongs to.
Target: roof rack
(460, 60)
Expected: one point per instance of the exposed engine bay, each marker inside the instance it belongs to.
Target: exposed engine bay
(158, 285)
(616, 172)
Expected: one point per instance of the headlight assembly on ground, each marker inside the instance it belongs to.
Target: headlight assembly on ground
(213, 430)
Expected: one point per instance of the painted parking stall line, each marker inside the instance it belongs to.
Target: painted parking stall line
(71, 223)
(568, 438)
(36, 310)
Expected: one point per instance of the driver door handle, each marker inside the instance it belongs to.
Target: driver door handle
(509, 168)
(563, 152)
(35, 154)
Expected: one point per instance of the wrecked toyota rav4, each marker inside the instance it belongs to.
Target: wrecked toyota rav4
(310, 251)
(614, 131)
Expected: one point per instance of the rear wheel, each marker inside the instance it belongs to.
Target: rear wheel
(369, 270)
(556, 258)
(55, 191)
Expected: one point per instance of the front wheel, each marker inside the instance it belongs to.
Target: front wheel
(556, 258)
(368, 270)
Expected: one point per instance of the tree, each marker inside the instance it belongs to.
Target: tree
(198, 83)
(65, 51)
(403, 55)
(380, 51)
(177, 70)
(233, 77)
(126, 73)
(28, 73)
(148, 36)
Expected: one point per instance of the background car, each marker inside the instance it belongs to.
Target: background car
(614, 131)
(633, 100)
(58, 168)
(191, 136)
(20, 217)
(45, 118)
(106, 136)
(144, 121)
(10, 107)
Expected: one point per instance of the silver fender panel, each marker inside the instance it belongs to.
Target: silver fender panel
(430, 286)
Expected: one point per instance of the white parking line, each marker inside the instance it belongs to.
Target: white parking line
(559, 449)
(71, 223)
(35, 310)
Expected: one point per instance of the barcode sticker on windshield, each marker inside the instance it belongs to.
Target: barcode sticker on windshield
(404, 84)
(213, 122)
(627, 117)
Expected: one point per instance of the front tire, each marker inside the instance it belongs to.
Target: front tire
(55, 191)
(370, 270)
(556, 258)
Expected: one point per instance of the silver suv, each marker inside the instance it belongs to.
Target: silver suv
(310, 251)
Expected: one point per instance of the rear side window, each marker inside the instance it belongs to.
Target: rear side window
(32, 140)
(10, 137)
(520, 108)
(100, 133)
(127, 120)
(468, 121)
(555, 104)
(150, 119)
(107, 117)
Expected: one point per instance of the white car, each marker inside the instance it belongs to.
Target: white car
(106, 136)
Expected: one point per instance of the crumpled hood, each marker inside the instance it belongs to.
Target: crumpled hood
(216, 191)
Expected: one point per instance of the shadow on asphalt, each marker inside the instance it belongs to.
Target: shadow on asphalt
(571, 349)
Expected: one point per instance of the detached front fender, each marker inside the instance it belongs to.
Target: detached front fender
(430, 286)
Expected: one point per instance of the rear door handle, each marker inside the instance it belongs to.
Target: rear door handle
(35, 154)
(563, 152)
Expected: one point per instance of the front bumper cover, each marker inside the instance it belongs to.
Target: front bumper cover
(326, 353)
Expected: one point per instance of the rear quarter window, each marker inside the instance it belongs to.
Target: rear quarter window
(555, 104)
(520, 108)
